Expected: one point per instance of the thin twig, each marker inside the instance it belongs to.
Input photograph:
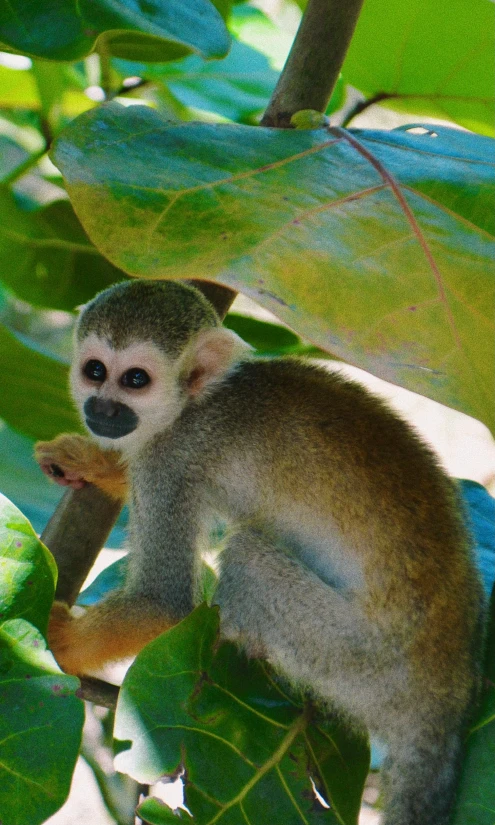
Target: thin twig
(362, 105)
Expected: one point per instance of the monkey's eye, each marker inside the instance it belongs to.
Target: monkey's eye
(95, 370)
(135, 378)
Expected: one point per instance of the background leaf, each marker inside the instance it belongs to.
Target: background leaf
(237, 87)
(68, 30)
(476, 795)
(46, 257)
(38, 403)
(374, 247)
(397, 51)
(17, 88)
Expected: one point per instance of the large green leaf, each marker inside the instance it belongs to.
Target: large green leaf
(248, 749)
(374, 246)
(41, 719)
(46, 257)
(37, 403)
(151, 30)
(433, 58)
(27, 569)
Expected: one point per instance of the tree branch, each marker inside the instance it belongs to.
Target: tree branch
(75, 535)
(315, 60)
(98, 692)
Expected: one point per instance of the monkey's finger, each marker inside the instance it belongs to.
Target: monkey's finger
(64, 478)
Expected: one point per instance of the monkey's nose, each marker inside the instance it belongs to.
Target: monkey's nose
(107, 407)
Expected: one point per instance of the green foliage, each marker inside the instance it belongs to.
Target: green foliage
(438, 58)
(68, 30)
(290, 218)
(37, 403)
(55, 264)
(248, 748)
(27, 570)
(237, 88)
(476, 801)
(374, 246)
(41, 718)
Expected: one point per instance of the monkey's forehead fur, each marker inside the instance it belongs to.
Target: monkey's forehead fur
(165, 312)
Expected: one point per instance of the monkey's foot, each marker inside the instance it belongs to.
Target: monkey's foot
(73, 460)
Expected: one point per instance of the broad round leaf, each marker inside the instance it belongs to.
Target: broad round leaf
(249, 750)
(154, 30)
(27, 570)
(431, 58)
(375, 246)
(41, 723)
(40, 717)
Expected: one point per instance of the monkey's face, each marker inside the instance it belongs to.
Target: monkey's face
(125, 396)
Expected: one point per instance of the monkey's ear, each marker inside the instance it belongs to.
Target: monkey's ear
(210, 355)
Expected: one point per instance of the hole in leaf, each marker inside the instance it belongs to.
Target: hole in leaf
(422, 130)
(95, 93)
(319, 798)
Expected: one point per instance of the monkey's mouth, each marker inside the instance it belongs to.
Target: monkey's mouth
(110, 428)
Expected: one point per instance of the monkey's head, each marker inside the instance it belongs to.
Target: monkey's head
(143, 351)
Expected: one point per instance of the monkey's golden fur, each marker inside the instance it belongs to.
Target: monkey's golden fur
(349, 564)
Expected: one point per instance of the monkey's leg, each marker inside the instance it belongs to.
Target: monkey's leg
(272, 604)
(114, 629)
(319, 638)
(73, 460)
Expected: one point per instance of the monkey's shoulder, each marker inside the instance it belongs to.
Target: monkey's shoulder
(298, 408)
(302, 390)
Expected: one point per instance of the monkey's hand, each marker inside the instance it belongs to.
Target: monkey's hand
(60, 635)
(73, 460)
(109, 631)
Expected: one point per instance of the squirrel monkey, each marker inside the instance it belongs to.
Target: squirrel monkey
(348, 566)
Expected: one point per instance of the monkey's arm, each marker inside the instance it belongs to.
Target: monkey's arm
(161, 582)
(114, 629)
(73, 460)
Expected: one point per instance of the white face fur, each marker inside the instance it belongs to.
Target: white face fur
(146, 381)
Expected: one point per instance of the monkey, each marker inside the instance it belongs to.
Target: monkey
(348, 565)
